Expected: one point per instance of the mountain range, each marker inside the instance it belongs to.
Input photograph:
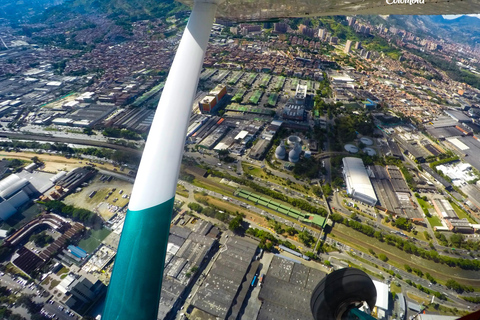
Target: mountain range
(464, 29)
(19, 11)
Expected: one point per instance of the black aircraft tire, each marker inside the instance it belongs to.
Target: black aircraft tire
(341, 287)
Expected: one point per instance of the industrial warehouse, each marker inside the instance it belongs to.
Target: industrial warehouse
(358, 182)
(14, 192)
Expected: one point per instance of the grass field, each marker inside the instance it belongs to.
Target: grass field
(395, 288)
(181, 190)
(94, 240)
(434, 221)
(461, 213)
(424, 204)
(417, 298)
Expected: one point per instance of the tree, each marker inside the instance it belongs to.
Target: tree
(408, 268)
(195, 207)
(291, 231)
(383, 257)
(430, 278)
(454, 285)
(36, 160)
(427, 235)
(88, 131)
(418, 272)
(5, 313)
(311, 255)
(41, 239)
(457, 240)
(236, 224)
(306, 238)
(403, 223)
(27, 302)
(353, 216)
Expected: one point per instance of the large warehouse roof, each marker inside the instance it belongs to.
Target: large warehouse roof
(8, 181)
(382, 294)
(357, 180)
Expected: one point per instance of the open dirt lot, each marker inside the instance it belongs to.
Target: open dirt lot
(102, 203)
(53, 163)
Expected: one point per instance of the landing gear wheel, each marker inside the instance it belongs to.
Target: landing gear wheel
(340, 291)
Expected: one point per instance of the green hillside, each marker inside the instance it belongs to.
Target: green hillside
(130, 9)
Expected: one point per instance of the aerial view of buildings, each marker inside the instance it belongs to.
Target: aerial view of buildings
(313, 145)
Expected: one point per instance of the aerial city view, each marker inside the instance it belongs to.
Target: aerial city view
(313, 146)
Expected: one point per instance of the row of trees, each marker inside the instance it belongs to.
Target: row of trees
(460, 288)
(78, 214)
(115, 155)
(407, 246)
(268, 240)
(298, 203)
(121, 133)
(234, 224)
(437, 294)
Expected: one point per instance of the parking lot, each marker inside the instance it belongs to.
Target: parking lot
(54, 310)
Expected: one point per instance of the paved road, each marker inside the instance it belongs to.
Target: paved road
(253, 303)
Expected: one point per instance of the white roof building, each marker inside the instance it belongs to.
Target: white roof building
(14, 192)
(382, 295)
(358, 183)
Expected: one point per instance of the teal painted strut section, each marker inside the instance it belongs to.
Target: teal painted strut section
(134, 290)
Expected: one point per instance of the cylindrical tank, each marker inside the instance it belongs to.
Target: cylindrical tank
(294, 155)
(280, 152)
(293, 140)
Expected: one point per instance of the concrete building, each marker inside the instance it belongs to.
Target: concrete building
(322, 33)
(301, 94)
(358, 182)
(286, 290)
(351, 21)
(444, 209)
(381, 305)
(348, 46)
(280, 27)
(207, 104)
(224, 288)
(80, 290)
(294, 111)
(210, 102)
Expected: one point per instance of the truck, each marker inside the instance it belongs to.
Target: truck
(260, 280)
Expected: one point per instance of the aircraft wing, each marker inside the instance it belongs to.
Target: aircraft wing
(260, 10)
